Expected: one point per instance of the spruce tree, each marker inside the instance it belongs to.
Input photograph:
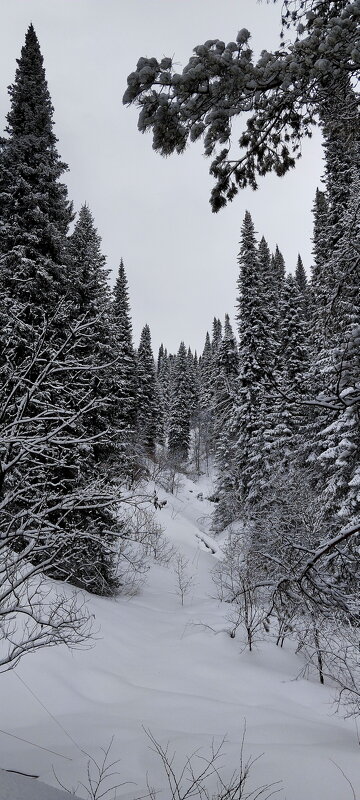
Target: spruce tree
(251, 371)
(215, 345)
(332, 444)
(340, 113)
(320, 242)
(285, 92)
(258, 303)
(206, 395)
(340, 119)
(125, 368)
(35, 212)
(206, 373)
(147, 418)
(302, 282)
(294, 349)
(89, 276)
(300, 275)
(268, 309)
(268, 335)
(40, 311)
(216, 335)
(292, 370)
(91, 305)
(180, 408)
(278, 271)
(226, 430)
(160, 358)
(194, 382)
(193, 386)
(227, 363)
(91, 300)
(335, 375)
(160, 414)
(163, 378)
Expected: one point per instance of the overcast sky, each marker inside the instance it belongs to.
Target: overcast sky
(180, 258)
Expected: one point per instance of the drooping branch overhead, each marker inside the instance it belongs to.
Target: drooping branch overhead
(283, 92)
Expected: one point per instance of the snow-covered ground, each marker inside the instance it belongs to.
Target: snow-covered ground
(20, 787)
(174, 669)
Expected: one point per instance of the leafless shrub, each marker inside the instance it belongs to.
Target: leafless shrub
(247, 613)
(184, 579)
(49, 512)
(331, 647)
(102, 777)
(235, 583)
(201, 776)
(144, 528)
(167, 471)
(227, 571)
(35, 613)
(141, 541)
(292, 568)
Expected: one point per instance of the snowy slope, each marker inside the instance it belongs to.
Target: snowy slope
(18, 787)
(174, 670)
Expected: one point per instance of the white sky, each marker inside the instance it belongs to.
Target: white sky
(180, 258)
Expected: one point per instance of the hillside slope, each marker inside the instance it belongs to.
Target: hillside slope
(174, 669)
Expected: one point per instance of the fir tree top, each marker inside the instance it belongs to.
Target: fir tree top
(248, 262)
(89, 274)
(145, 344)
(34, 204)
(207, 348)
(31, 108)
(228, 357)
(122, 307)
(300, 275)
(217, 334)
(320, 243)
(160, 358)
(228, 331)
(30, 119)
(278, 265)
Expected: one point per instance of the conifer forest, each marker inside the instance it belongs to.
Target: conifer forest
(102, 439)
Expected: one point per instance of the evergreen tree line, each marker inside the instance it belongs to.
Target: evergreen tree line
(78, 411)
(295, 400)
(188, 388)
(279, 412)
(288, 450)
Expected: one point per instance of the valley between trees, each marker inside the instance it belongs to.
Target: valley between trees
(102, 444)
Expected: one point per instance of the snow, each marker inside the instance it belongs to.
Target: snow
(20, 787)
(155, 664)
